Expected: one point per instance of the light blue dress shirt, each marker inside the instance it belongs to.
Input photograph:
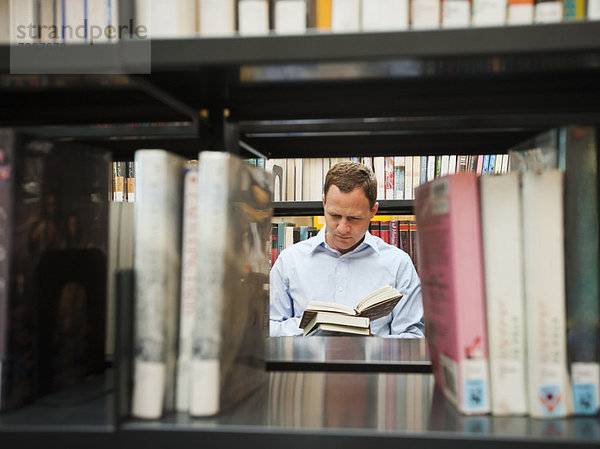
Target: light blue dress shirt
(311, 271)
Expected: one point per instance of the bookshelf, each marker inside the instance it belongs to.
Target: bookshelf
(451, 91)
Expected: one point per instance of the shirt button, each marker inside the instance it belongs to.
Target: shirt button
(340, 289)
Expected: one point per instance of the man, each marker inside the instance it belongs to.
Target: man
(344, 262)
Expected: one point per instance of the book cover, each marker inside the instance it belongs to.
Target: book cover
(451, 271)
(544, 268)
(581, 263)
(501, 230)
(231, 316)
(354, 322)
(157, 263)
(593, 9)
(53, 198)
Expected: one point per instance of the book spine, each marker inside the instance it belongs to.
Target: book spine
(520, 12)
(290, 17)
(574, 9)
(7, 183)
(253, 18)
(548, 11)
(399, 170)
(345, 15)
(505, 302)
(323, 15)
(189, 286)
(157, 266)
(543, 236)
(456, 13)
(593, 9)
(213, 187)
(425, 14)
(384, 230)
(582, 267)
(216, 17)
(389, 178)
(130, 181)
(489, 12)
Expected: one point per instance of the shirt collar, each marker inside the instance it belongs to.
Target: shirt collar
(369, 240)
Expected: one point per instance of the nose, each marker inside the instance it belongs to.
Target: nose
(344, 226)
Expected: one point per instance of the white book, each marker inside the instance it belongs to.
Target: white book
(345, 16)
(505, 159)
(548, 12)
(290, 181)
(216, 17)
(416, 175)
(381, 15)
(290, 16)
(452, 164)
(21, 17)
(231, 314)
(189, 287)
(298, 170)
(502, 241)
(498, 164)
(389, 177)
(593, 9)
(489, 12)
(157, 261)
(544, 268)
(408, 178)
(430, 168)
(399, 177)
(48, 31)
(456, 13)
(316, 179)
(444, 165)
(425, 14)
(253, 17)
(167, 19)
(379, 166)
(306, 182)
(520, 14)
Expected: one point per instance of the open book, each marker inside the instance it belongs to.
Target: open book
(375, 305)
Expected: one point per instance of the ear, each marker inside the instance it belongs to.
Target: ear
(374, 210)
(323, 198)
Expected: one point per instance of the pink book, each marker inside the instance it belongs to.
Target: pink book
(451, 271)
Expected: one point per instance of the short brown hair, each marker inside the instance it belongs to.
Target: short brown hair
(349, 175)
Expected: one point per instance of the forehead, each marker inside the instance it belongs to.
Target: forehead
(354, 203)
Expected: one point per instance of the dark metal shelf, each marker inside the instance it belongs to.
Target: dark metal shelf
(308, 208)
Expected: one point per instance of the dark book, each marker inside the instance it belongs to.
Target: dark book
(374, 228)
(274, 245)
(53, 197)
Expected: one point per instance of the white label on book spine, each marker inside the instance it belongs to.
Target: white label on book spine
(205, 401)
(489, 12)
(585, 379)
(290, 17)
(475, 395)
(345, 15)
(520, 14)
(456, 13)
(216, 17)
(548, 12)
(425, 14)
(253, 17)
(593, 12)
(148, 389)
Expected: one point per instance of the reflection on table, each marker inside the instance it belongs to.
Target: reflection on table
(371, 354)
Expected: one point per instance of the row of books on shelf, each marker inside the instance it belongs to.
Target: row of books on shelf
(95, 21)
(123, 181)
(260, 17)
(509, 273)
(397, 176)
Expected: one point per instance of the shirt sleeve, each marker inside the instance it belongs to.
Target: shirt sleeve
(407, 316)
(281, 316)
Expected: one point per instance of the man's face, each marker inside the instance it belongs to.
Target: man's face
(347, 217)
